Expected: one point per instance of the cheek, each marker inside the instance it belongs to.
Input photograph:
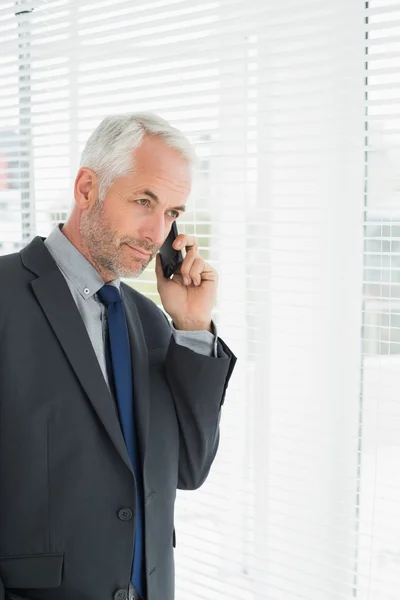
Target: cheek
(121, 220)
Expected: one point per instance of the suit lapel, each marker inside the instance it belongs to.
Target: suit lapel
(140, 369)
(54, 296)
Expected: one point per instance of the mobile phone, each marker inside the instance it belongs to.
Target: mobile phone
(171, 259)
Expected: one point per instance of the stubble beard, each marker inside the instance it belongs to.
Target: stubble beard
(106, 252)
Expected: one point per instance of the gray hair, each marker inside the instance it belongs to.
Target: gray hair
(108, 151)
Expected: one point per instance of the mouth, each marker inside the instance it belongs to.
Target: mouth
(140, 253)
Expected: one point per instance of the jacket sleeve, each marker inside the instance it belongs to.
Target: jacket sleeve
(198, 384)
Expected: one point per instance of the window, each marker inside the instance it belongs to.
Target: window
(293, 109)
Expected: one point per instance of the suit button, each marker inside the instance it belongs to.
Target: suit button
(125, 514)
(120, 595)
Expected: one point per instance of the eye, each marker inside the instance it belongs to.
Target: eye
(174, 214)
(143, 202)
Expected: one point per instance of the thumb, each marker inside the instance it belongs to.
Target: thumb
(161, 280)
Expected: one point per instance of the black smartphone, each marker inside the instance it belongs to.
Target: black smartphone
(171, 259)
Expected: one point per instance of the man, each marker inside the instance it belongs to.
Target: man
(106, 408)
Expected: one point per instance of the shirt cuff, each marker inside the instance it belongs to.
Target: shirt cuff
(202, 342)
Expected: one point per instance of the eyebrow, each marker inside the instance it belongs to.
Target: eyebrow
(154, 197)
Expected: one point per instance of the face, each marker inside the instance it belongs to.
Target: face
(124, 232)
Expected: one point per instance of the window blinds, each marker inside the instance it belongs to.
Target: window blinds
(293, 110)
(379, 493)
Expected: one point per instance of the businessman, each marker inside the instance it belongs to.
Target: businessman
(107, 407)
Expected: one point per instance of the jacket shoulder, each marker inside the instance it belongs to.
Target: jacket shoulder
(14, 283)
(9, 264)
(13, 276)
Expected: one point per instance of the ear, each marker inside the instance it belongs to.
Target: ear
(86, 188)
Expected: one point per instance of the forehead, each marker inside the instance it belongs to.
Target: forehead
(155, 159)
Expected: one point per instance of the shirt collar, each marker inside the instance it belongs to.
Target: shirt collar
(82, 274)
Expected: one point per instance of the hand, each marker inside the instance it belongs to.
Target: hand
(189, 296)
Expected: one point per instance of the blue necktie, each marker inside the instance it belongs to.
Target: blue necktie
(121, 374)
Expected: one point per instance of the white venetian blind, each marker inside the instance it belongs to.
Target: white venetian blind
(379, 493)
(296, 126)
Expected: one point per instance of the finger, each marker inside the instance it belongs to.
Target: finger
(187, 265)
(208, 273)
(185, 241)
(158, 265)
(161, 280)
(196, 270)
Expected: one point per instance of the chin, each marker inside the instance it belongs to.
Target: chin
(132, 271)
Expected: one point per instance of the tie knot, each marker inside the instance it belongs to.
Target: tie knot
(109, 294)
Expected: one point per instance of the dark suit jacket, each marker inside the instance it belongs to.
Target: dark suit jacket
(65, 475)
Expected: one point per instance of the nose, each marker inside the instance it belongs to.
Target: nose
(153, 230)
